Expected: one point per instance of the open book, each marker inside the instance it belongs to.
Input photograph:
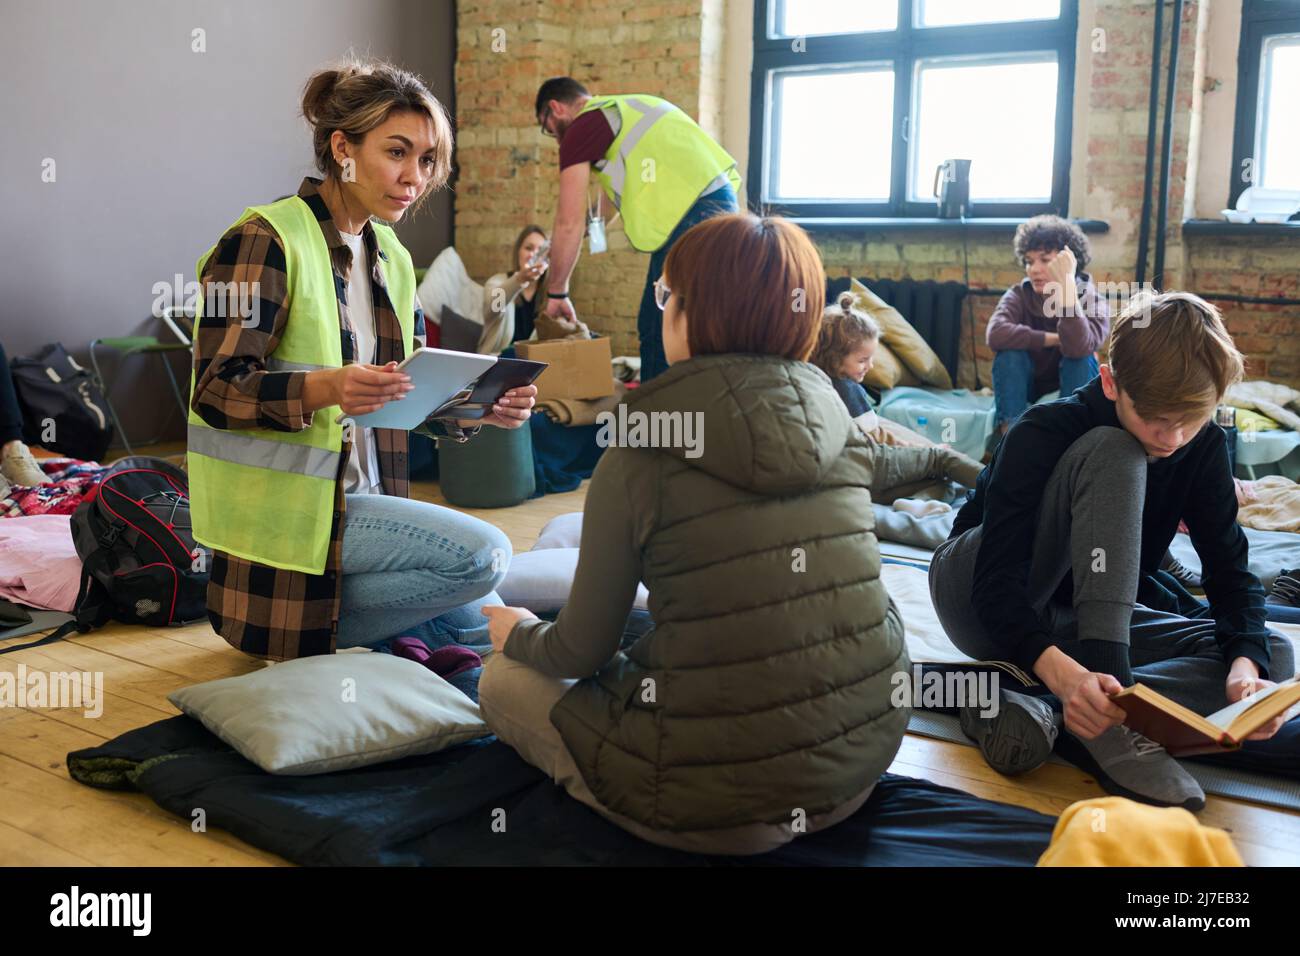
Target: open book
(1185, 733)
(451, 385)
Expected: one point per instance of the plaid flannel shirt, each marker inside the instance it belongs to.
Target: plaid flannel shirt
(266, 611)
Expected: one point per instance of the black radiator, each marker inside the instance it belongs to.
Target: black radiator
(934, 309)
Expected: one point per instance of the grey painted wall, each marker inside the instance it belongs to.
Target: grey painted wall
(158, 149)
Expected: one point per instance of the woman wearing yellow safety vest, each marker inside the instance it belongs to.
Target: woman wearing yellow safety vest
(308, 305)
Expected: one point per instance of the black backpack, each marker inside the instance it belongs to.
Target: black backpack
(51, 386)
(139, 560)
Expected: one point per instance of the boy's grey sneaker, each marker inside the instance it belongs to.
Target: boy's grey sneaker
(1130, 765)
(1286, 589)
(1181, 572)
(1018, 738)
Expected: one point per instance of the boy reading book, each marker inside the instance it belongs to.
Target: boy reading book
(1052, 563)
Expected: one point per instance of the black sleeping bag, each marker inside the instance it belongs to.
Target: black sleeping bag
(439, 810)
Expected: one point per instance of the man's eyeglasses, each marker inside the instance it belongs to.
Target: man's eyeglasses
(546, 115)
(662, 292)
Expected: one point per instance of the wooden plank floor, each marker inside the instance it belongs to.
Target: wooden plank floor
(47, 819)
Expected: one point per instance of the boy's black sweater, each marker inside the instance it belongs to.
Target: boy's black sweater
(1193, 485)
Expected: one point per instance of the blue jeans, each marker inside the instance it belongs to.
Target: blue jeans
(1013, 380)
(410, 567)
(649, 318)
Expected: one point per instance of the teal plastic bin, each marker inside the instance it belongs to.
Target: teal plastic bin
(494, 469)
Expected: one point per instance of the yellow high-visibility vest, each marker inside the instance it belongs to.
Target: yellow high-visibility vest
(267, 495)
(657, 166)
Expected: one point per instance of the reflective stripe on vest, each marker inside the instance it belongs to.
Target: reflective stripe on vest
(616, 169)
(684, 164)
(282, 365)
(244, 449)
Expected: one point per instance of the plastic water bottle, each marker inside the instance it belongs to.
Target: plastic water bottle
(923, 426)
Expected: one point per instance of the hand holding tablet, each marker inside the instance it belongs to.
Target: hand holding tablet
(443, 384)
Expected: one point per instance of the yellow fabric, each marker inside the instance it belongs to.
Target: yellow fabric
(247, 497)
(1248, 419)
(912, 351)
(1113, 831)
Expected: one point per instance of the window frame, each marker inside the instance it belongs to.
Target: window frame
(1259, 21)
(903, 48)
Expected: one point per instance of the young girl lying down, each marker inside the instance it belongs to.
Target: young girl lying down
(758, 708)
(905, 462)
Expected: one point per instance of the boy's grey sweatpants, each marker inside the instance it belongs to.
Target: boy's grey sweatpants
(1094, 500)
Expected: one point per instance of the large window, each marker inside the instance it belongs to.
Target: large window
(856, 104)
(1266, 152)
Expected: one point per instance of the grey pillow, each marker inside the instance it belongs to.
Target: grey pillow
(333, 712)
(459, 333)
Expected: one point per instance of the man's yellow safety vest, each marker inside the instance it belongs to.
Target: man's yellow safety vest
(657, 166)
(266, 495)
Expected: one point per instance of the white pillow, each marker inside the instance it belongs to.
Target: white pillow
(333, 712)
(541, 580)
(563, 531)
(447, 283)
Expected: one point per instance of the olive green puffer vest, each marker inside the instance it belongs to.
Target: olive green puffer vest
(764, 689)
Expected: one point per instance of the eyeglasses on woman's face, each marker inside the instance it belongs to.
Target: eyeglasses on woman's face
(662, 292)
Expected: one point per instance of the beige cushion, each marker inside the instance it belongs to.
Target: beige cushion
(886, 370)
(905, 343)
(333, 712)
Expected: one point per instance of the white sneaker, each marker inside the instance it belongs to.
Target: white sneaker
(18, 465)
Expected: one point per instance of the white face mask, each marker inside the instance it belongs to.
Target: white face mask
(596, 235)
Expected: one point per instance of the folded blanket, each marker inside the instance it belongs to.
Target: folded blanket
(571, 412)
(39, 566)
(1276, 507)
(1269, 398)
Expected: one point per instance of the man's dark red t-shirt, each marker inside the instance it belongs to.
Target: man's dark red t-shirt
(586, 140)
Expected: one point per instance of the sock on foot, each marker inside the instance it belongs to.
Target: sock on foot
(921, 509)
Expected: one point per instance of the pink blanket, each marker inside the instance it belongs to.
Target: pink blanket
(39, 566)
(67, 482)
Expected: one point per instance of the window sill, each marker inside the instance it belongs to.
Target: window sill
(1221, 227)
(880, 224)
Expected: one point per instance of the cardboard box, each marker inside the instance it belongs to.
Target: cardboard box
(579, 368)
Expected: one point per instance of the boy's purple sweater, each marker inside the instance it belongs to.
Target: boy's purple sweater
(1019, 323)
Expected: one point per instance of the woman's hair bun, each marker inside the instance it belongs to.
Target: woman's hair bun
(321, 87)
(318, 93)
(845, 301)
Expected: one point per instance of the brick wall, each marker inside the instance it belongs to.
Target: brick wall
(508, 173)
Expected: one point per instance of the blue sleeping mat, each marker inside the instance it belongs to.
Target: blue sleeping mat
(956, 417)
(438, 810)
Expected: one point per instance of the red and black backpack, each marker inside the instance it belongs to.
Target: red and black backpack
(139, 561)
